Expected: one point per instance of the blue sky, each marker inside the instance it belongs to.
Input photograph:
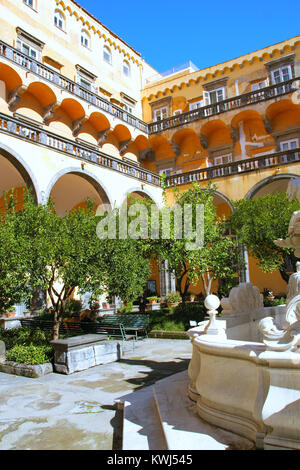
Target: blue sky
(168, 33)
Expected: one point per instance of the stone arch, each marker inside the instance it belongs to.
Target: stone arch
(223, 204)
(96, 187)
(22, 168)
(279, 181)
(140, 192)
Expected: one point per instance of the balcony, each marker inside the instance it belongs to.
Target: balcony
(229, 104)
(272, 160)
(46, 73)
(35, 135)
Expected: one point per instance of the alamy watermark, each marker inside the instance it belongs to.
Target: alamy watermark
(142, 222)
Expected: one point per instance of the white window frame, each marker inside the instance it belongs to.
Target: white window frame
(126, 66)
(107, 52)
(161, 112)
(221, 159)
(259, 85)
(196, 105)
(289, 144)
(280, 70)
(85, 39)
(166, 171)
(33, 52)
(59, 20)
(30, 3)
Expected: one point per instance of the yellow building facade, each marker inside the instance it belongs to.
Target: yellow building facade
(83, 115)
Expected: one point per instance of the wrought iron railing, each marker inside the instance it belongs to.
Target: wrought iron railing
(34, 134)
(271, 160)
(229, 104)
(36, 67)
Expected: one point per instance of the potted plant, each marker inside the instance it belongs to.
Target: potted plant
(173, 299)
(192, 298)
(10, 312)
(268, 294)
(153, 299)
(72, 310)
(94, 304)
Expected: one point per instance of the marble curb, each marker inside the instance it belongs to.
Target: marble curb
(26, 370)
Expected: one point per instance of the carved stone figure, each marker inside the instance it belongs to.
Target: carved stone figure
(293, 240)
(245, 299)
(294, 284)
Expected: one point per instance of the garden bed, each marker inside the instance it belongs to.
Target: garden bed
(26, 370)
(168, 334)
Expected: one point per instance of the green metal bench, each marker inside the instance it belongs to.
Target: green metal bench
(136, 323)
(114, 331)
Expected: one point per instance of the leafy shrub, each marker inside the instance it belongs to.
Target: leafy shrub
(173, 297)
(31, 354)
(126, 308)
(73, 308)
(168, 325)
(25, 337)
(185, 312)
(274, 302)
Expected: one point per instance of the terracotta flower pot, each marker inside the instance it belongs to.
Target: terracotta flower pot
(9, 314)
(173, 304)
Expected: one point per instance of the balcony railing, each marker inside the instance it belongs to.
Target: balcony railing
(230, 104)
(272, 160)
(65, 83)
(36, 135)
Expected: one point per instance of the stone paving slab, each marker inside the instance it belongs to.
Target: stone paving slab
(58, 412)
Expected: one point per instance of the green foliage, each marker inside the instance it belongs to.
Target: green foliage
(25, 337)
(180, 316)
(173, 297)
(258, 222)
(274, 302)
(126, 308)
(31, 354)
(73, 308)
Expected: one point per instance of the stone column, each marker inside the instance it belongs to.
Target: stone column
(167, 279)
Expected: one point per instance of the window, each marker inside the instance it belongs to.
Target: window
(214, 96)
(257, 86)
(126, 68)
(177, 112)
(28, 45)
(160, 114)
(280, 75)
(85, 79)
(196, 105)
(59, 20)
(166, 171)
(223, 159)
(107, 55)
(85, 39)
(28, 49)
(30, 3)
(289, 145)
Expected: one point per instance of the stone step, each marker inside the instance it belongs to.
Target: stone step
(182, 428)
(141, 426)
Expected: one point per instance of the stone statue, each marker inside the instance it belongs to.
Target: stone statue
(245, 299)
(288, 339)
(293, 240)
(294, 284)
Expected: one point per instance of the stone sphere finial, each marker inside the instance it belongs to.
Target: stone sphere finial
(212, 302)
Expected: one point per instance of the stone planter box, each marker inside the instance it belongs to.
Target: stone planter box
(168, 334)
(82, 352)
(26, 370)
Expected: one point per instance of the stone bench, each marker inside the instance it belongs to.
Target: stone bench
(82, 352)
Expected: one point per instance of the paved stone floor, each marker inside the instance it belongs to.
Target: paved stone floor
(59, 412)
